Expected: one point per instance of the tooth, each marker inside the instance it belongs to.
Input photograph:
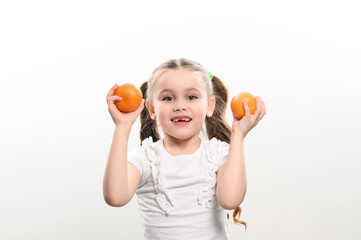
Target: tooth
(182, 119)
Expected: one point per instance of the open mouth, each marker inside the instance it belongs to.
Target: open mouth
(181, 120)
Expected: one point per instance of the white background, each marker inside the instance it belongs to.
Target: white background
(58, 60)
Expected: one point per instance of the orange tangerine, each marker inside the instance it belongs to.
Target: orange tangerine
(132, 97)
(237, 104)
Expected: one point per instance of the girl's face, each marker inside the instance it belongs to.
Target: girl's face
(180, 103)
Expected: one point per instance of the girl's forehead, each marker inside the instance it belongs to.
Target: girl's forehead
(180, 79)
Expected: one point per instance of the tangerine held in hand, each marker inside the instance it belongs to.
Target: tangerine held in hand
(131, 95)
(237, 104)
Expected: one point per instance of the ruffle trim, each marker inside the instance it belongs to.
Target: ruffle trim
(211, 157)
(163, 198)
(207, 191)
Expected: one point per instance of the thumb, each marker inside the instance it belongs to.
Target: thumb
(140, 108)
(246, 107)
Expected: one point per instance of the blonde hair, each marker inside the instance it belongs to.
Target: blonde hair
(216, 126)
(177, 64)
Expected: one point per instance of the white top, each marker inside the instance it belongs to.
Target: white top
(177, 194)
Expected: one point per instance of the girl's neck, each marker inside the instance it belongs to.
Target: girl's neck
(181, 146)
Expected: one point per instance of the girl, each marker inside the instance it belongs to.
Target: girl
(184, 182)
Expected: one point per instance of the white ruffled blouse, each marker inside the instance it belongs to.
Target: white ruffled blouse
(177, 194)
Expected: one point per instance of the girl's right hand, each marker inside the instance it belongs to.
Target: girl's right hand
(119, 117)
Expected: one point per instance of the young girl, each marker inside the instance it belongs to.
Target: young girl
(184, 182)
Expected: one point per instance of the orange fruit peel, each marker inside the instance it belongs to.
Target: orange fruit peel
(237, 104)
(131, 95)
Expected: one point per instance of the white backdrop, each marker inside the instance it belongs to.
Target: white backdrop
(58, 60)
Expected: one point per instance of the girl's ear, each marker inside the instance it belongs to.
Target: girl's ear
(150, 108)
(211, 105)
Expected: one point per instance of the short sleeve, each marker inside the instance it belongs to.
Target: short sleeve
(134, 157)
(224, 149)
(138, 158)
(218, 151)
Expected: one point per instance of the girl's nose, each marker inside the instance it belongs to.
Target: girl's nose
(179, 106)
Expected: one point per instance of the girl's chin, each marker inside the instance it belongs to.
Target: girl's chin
(182, 135)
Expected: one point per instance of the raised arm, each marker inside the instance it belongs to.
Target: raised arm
(121, 178)
(231, 176)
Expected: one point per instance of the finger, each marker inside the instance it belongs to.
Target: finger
(264, 107)
(263, 112)
(246, 108)
(111, 91)
(141, 107)
(114, 98)
(261, 106)
(258, 106)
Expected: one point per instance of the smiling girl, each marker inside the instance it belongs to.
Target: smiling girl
(185, 183)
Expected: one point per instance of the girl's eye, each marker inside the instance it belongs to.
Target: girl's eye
(167, 98)
(192, 97)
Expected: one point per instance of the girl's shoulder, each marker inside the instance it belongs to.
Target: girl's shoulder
(216, 151)
(144, 156)
(147, 149)
(216, 144)
(148, 143)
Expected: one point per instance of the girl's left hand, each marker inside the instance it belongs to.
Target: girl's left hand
(249, 121)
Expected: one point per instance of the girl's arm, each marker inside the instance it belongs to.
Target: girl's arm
(231, 176)
(121, 178)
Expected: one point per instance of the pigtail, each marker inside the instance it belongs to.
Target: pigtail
(236, 215)
(148, 126)
(218, 127)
